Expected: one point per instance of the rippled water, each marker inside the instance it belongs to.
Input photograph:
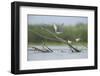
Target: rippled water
(59, 52)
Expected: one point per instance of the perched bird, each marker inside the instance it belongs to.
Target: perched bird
(69, 41)
(77, 39)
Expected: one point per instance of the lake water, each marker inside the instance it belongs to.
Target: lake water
(59, 52)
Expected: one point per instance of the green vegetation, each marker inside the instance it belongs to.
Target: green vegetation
(36, 35)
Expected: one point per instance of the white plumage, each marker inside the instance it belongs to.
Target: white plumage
(55, 27)
(77, 40)
(69, 41)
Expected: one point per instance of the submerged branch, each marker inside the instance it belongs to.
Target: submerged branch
(62, 40)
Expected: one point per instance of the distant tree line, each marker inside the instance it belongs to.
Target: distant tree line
(70, 32)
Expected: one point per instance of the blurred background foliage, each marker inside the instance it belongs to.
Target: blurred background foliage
(70, 32)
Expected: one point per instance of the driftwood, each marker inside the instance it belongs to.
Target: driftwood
(57, 39)
(37, 49)
(62, 40)
(47, 47)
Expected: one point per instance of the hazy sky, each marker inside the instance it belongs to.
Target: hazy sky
(39, 19)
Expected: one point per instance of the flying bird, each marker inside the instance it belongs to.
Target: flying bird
(55, 27)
